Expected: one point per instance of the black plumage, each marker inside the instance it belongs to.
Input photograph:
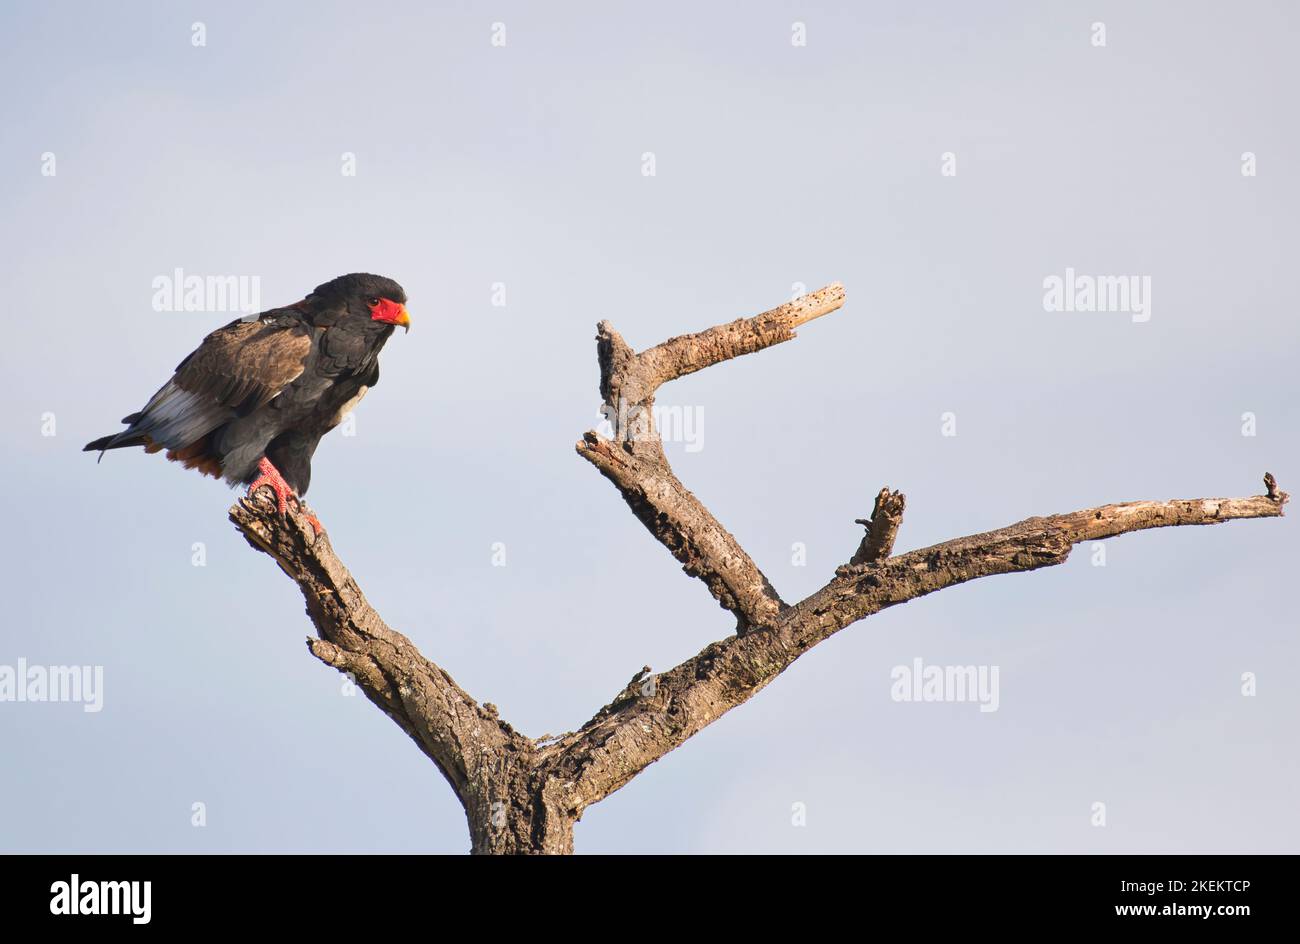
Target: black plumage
(269, 389)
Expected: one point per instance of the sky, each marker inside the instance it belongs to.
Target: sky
(526, 170)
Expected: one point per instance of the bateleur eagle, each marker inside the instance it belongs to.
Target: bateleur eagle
(253, 400)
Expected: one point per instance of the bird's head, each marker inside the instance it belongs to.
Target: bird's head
(360, 296)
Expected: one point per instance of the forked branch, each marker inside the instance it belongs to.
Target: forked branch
(633, 459)
(522, 795)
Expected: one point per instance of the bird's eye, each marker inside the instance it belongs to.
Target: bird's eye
(372, 301)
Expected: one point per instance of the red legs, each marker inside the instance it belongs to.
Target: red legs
(270, 477)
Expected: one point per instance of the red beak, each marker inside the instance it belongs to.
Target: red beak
(391, 312)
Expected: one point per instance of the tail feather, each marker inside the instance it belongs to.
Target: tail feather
(120, 440)
(177, 420)
(193, 456)
(117, 441)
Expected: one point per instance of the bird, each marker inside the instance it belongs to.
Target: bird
(251, 403)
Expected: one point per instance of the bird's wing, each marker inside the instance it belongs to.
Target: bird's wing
(245, 364)
(234, 371)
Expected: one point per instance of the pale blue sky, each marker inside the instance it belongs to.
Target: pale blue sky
(775, 165)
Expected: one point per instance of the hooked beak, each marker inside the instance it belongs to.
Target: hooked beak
(391, 313)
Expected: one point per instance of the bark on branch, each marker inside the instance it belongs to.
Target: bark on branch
(882, 528)
(470, 745)
(614, 748)
(633, 459)
(524, 795)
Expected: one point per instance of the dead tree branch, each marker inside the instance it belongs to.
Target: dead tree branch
(634, 458)
(523, 795)
(469, 744)
(882, 528)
